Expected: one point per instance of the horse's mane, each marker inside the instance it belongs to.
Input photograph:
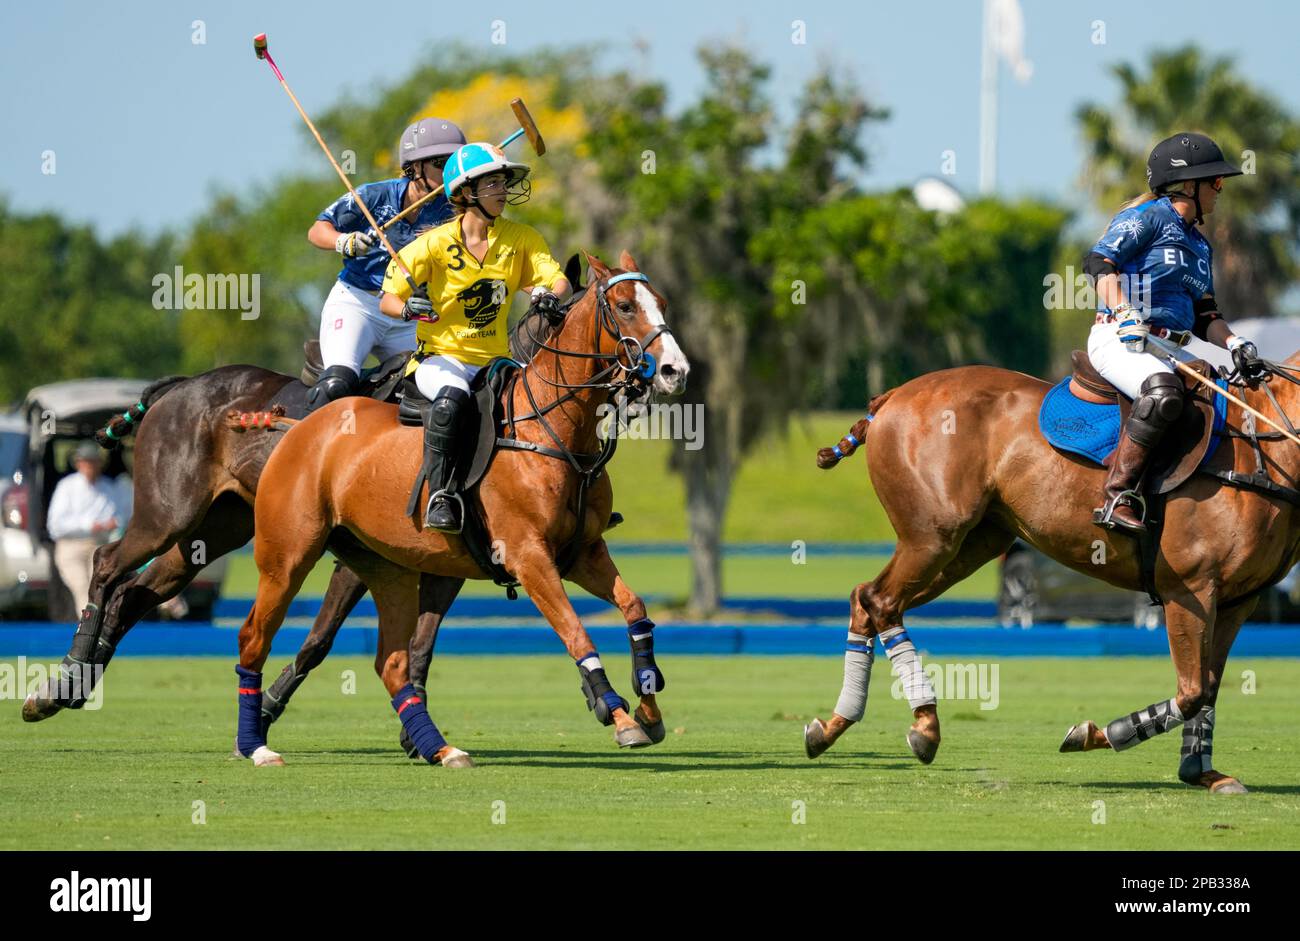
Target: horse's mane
(533, 329)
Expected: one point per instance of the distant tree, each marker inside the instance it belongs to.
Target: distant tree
(72, 305)
(1256, 226)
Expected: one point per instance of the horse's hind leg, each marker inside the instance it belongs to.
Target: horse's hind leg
(1186, 618)
(1195, 766)
(912, 577)
(282, 569)
(399, 598)
(437, 592)
(345, 590)
(596, 572)
(121, 593)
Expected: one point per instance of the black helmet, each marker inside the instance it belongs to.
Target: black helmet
(1186, 156)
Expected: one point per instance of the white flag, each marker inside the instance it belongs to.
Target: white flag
(1008, 35)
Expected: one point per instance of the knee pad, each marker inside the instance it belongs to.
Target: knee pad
(444, 418)
(1164, 393)
(335, 382)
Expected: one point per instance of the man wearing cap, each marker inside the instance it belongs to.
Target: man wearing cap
(83, 514)
(351, 326)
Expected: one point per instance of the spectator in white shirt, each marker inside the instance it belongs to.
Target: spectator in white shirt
(83, 514)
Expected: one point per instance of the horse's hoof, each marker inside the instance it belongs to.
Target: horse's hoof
(1223, 784)
(1078, 737)
(263, 757)
(456, 759)
(923, 748)
(632, 737)
(655, 730)
(36, 708)
(815, 742)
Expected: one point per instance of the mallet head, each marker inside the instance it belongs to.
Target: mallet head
(259, 45)
(528, 125)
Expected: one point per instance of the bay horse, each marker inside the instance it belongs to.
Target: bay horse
(339, 484)
(195, 478)
(959, 464)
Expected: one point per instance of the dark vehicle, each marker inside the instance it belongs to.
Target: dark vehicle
(36, 446)
(1033, 589)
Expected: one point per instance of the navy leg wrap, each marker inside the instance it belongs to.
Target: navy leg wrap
(1198, 747)
(647, 678)
(417, 723)
(601, 698)
(251, 734)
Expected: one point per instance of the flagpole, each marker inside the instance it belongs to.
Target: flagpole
(988, 105)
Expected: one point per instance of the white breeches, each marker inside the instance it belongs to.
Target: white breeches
(1123, 369)
(351, 328)
(438, 372)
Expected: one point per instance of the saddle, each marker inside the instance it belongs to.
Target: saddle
(1185, 446)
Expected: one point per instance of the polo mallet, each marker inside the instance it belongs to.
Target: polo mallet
(1182, 367)
(259, 47)
(526, 126)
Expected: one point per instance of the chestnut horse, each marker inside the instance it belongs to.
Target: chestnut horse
(959, 464)
(340, 484)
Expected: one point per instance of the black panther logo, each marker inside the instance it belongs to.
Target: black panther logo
(482, 301)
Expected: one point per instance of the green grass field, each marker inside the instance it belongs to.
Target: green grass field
(727, 777)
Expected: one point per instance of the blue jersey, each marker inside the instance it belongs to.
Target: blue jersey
(384, 200)
(1164, 262)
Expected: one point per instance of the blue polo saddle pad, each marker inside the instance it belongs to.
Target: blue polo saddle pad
(1092, 430)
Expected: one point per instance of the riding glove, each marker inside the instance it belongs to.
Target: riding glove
(354, 244)
(418, 306)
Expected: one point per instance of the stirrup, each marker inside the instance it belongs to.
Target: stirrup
(449, 495)
(1102, 515)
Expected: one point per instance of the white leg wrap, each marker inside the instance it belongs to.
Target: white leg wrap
(907, 667)
(859, 654)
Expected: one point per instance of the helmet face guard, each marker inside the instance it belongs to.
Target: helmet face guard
(477, 160)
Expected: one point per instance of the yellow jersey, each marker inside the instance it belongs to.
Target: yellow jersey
(472, 298)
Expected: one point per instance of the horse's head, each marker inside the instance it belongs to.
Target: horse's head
(631, 316)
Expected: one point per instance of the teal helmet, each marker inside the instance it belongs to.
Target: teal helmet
(478, 159)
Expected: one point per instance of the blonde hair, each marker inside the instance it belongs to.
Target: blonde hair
(1139, 200)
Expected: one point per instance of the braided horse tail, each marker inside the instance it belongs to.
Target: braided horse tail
(856, 437)
(122, 426)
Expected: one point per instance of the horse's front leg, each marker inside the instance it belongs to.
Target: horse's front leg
(1196, 766)
(437, 592)
(596, 572)
(537, 573)
(1186, 620)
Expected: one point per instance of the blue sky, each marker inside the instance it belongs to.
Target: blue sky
(144, 123)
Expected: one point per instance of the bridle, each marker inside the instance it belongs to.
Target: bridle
(631, 377)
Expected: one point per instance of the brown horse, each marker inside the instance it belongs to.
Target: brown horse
(961, 468)
(339, 484)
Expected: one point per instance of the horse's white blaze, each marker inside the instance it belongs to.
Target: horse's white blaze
(670, 353)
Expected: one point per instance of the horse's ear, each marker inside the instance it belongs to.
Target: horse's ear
(596, 268)
(573, 271)
(627, 262)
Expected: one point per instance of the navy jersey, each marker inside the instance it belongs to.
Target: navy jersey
(384, 200)
(1164, 262)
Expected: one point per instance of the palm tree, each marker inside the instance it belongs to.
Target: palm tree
(1256, 226)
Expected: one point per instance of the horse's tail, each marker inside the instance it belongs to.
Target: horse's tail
(121, 426)
(856, 437)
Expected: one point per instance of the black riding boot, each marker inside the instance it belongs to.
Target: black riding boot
(1156, 408)
(442, 423)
